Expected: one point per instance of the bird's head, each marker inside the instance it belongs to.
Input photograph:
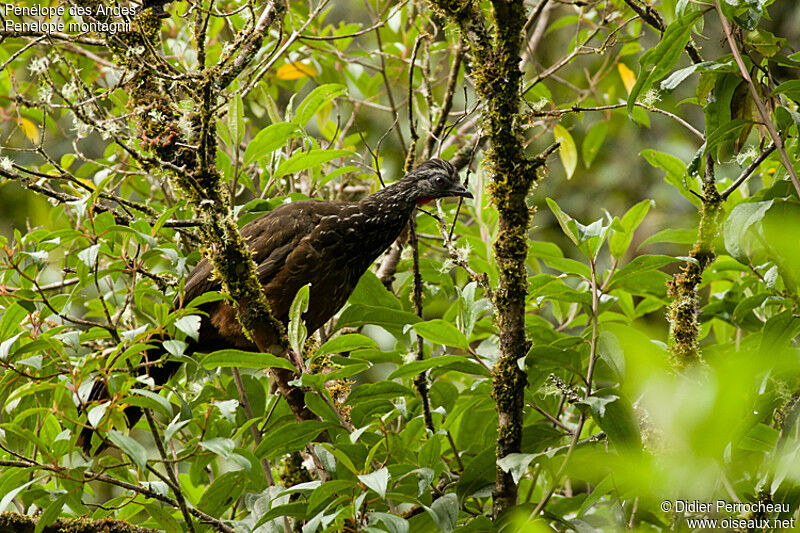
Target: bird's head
(435, 178)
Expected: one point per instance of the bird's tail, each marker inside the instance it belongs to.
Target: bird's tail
(160, 373)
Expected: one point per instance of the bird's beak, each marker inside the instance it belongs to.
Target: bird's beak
(459, 190)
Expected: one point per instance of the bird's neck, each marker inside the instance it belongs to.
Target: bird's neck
(396, 200)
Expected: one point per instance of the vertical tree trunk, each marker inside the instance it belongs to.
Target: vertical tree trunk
(497, 78)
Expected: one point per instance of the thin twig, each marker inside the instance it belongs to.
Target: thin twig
(421, 381)
(173, 480)
(447, 101)
(746, 173)
(578, 109)
(762, 110)
(481, 278)
(244, 401)
(550, 417)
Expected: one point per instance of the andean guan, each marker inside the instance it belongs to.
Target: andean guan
(327, 244)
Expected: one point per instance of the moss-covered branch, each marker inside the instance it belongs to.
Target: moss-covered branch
(683, 324)
(17, 523)
(184, 145)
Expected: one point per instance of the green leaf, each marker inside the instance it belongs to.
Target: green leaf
(592, 237)
(370, 291)
(479, 474)
(717, 110)
(190, 325)
(296, 330)
(459, 362)
(621, 240)
(470, 308)
(361, 315)
(96, 414)
(174, 426)
(156, 401)
(677, 236)
(762, 438)
(89, 255)
(347, 343)
(220, 446)
(162, 518)
(566, 266)
(308, 486)
(270, 139)
(340, 455)
(789, 88)
(614, 414)
(444, 512)
(589, 238)
(321, 181)
(725, 132)
(593, 142)
(378, 481)
(611, 353)
(317, 99)
(236, 117)
(51, 512)
(517, 464)
(567, 149)
(242, 359)
(393, 523)
(305, 160)
(602, 488)
(736, 228)
(442, 332)
(641, 264)
(210, 296)
(133, 449)
(222, 493)
(657, 61)
(9, 496)
(671, 164)
(296, 510)
(766, 43)
(6, 345)
(173, 347)
(318, 380)
(743, 316)
(567, 223)
(11, 319)
(675, 168)
(778, 332)
(291, 437)
(380, 391)
(677, 77)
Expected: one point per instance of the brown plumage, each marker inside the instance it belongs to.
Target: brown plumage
(327, 244)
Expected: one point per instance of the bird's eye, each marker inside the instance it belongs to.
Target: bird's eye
(439, 181)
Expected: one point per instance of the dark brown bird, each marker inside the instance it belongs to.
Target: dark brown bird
(157, 6)
(327, 244)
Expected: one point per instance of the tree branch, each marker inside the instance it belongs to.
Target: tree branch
(762, 110)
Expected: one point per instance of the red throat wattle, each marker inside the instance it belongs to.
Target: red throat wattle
(423, 201)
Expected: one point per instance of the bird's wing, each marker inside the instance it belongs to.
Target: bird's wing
(309, 261)
(271, 237)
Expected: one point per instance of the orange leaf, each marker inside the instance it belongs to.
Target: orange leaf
(627, 75)
(29, 129)
(295, 71)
